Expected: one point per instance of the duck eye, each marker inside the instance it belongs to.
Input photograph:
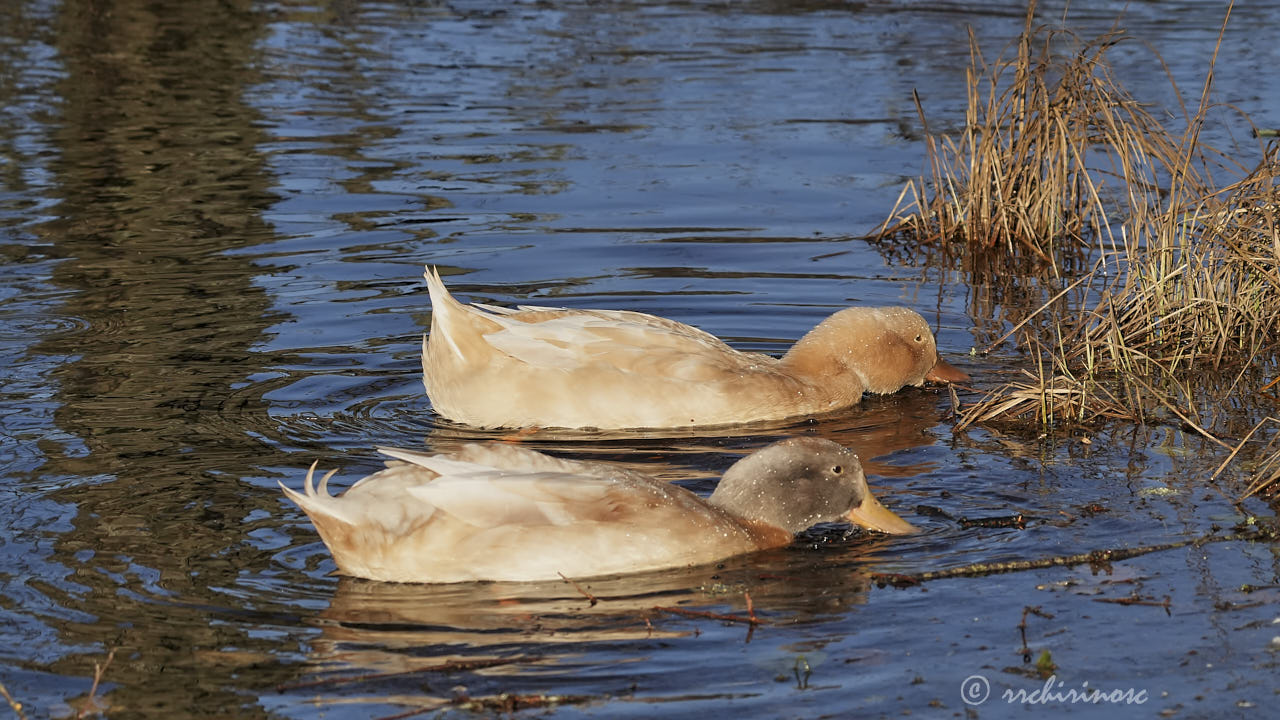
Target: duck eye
(837, 469)
(920, 338)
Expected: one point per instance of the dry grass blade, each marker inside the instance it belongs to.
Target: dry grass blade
(1268, 481)
(99, 669)
(13, 704)
(1047, 401)
(1267, 475)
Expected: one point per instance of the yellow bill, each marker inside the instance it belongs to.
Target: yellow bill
(945, 372)
(874, 516)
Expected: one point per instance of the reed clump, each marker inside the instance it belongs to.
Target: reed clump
(1160, 285)
(1172, 280)
(1053, 147)
(1203, 288)
(1193, 296)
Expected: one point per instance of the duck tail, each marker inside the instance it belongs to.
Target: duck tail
(442, 301)
(443, 307)
(322, 508)
(435, 286)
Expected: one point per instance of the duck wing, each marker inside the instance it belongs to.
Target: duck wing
(512, 457)
(558, 338)
(490, 486)
(619, 340)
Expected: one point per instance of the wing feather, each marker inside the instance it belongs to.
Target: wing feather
(505, 486)
(614, 340)
(506, 500)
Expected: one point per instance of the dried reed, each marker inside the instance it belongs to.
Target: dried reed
(1059, 167)
(1030, 174)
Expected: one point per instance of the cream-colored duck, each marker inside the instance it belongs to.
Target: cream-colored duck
(502, 512)
(613, 369)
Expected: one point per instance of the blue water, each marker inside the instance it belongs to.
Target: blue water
(213, 224)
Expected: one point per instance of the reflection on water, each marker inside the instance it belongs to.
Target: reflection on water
(155, 176)
(485, 615)
(383, 638)
(213, 222)
(881, 427)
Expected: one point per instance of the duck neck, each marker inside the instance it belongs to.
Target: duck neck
(738, 496)
(818, 360)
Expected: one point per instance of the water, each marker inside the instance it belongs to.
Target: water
(213, 223)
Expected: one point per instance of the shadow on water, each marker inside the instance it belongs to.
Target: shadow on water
(213, 222)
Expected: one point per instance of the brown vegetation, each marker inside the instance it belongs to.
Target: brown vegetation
(1171, 305)
(1027, 176)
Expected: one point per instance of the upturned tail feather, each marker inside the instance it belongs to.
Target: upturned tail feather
(316, 502)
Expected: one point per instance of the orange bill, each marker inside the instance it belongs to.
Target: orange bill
(874, 516)
(945, 372)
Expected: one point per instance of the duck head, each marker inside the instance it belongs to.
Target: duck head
(799, 482)
(885, 348)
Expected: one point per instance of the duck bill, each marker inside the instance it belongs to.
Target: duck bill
(874, 516)
(945, 372)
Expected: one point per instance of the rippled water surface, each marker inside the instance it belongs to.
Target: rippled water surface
(214, 218)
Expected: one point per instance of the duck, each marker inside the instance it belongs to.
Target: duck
(543, 367)
(502, 512)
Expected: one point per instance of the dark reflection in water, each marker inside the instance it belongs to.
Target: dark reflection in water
(214, 217)
(157, 176)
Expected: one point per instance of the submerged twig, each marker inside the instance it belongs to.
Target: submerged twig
(1268, 472)
(751, 620)
(993, 345)
(507, 703)
(1174, 409)
(410, 713)
(1095, 557)
(98, 671)
(13, 704)
(579, 588)
(1017, 520)
(1135, 600)
(1240, 446)
(444, 667)
(503, 703)
(1022, 628)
